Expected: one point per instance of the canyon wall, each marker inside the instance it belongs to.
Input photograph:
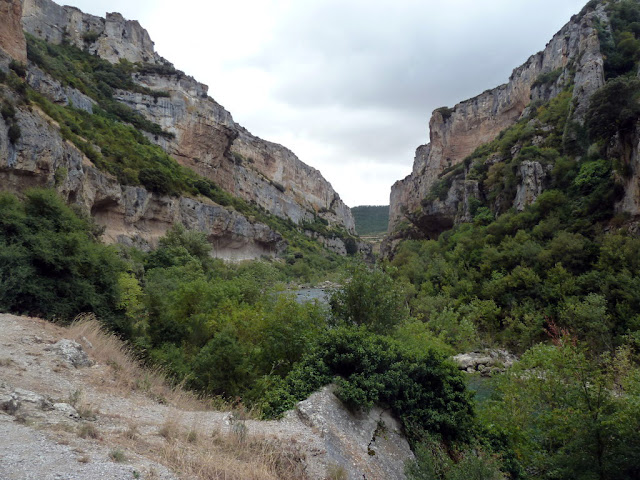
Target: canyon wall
(206, 137)
(40, 157)
(573, 53)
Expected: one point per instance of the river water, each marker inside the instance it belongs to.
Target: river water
(304, 295)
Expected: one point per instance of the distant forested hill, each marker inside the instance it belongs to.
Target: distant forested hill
(371, 219)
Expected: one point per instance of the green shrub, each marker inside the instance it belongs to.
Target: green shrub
(90, 36)
(20, 69)
(570, 414)
(370, 298)
(446, 112)
(614, 108)
(423, 389)
(14, 133)
(49, 263)
(8, 111)
(548, 78)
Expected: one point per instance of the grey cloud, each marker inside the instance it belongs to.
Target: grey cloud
(403, 55)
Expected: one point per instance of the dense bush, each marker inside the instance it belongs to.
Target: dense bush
(614, 108)
(423, 389)
(570, 415)
(620, 43)
(51, 265)
(370, 298)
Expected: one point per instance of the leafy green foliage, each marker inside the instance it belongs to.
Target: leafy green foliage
(223, 328)
(511, 277)
(571, 415)
(423, 389)
(433, 462)
(371, 299)
(620, 43)
(50, 263)
(614, 108)
(547, 78)
(371, 220)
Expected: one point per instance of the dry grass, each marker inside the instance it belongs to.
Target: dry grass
(87, 430)
(188, 451)
(86, 410)
(230, 457)
(169, 429)
(129, 374)
(6, 362)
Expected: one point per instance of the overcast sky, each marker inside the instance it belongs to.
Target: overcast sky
(348, 85)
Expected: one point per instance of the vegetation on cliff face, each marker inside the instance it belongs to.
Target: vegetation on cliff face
(115, 145)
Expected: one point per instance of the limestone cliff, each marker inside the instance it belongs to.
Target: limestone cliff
(573, 54)
(11, 38)
(206, 137)
(113, 38)
(40, 157)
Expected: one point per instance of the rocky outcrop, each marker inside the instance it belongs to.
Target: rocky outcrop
(487, 363)
(113, 38)
(55, 92)
(359, 445)
(71, 352)
(207, 139)
(12, 39)
(532, 181)
(130, 215)
(438, 214)
(573, 53)
(630, 202)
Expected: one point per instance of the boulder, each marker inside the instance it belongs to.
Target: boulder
(72, 353)
(487, 362)
(361, 445)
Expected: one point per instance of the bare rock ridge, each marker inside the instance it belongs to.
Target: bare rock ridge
(112, 38)
(206, 137)
(456, 132)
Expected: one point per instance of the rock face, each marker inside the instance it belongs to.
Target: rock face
(206, 137)
(11, 37)
(113, 38)
(130, 215)
(455, 133)
(53, 90)
(358, 445)
(532, 179)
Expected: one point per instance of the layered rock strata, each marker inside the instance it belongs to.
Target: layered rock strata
(206, 137)
(573, 53)
(129, 215)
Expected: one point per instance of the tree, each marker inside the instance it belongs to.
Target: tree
(569, 415)
(370, 298)
(52, 265)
